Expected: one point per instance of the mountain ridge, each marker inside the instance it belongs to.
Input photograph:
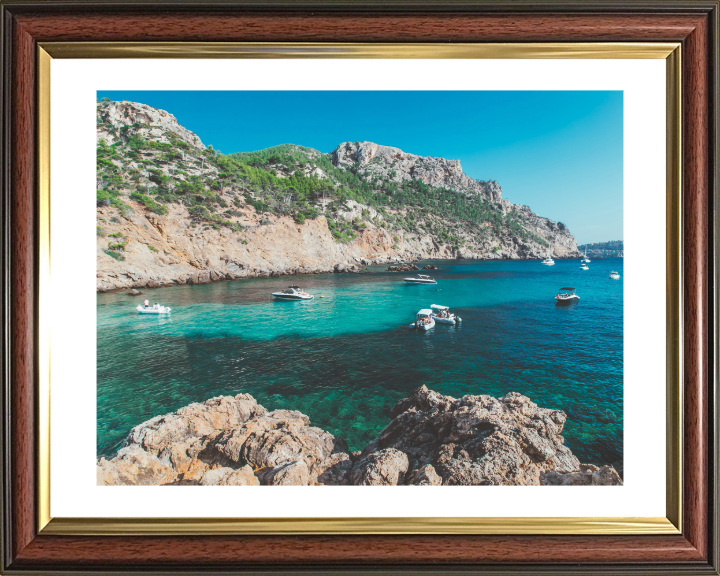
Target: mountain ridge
(172, 210)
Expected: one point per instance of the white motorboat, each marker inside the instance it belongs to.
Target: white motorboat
(567, 296)
(423, 320)
(614, 275)
(155, 309)
(584, 267)
(293, 293)
(548, 261)
(585, 260)
(420, 279)
(442, 315)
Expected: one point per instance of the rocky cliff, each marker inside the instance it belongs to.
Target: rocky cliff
(171, 210)
(432, 440)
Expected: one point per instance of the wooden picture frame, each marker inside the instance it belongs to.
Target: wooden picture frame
(28, 547)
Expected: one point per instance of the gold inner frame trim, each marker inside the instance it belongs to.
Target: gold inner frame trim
(290, 526)
(567, 50)
(671, 52)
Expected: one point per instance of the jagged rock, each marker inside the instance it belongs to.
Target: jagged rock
(281, 437)
(588, 475)
(403, 268)
(289, 474)
(116, 115)
(228, 477)
(179, 437)
(479, 439)
(429, 267)
(432, 440)
(384, 468)
(353, 268)
(425, 476)
(134, 292)
(134, 466)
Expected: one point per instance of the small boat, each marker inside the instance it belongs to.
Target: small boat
(566, 296)
(614, 275)
(293, 293)
(156, 309)
(420, 279)
(585, 260)
(584, 267)
(423, 320)
(442, 315)
(548, 261)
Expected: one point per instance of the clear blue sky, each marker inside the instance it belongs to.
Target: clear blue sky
(561, 153)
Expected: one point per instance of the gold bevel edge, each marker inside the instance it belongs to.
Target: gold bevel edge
(323, 526)
(594, 526)
(44, 321)
(562, 50)
(674, 311)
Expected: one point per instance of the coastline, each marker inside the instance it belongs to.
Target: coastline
(214, 275)
(432, 440)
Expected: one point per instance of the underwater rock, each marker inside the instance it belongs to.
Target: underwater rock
(432, 440)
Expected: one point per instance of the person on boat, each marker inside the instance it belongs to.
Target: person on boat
(147, 303)
(156, 306)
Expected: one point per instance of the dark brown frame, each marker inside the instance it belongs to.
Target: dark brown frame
(694, 23)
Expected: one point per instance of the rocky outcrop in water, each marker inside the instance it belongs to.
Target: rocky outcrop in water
(432, 440)
(403, 268)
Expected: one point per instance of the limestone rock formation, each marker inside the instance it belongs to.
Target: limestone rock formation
(382, 468)
(432, 440)
(478, 439)
(587, 475)
(403, 268)
(169, 212)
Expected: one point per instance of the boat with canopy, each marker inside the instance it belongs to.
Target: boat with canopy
(423, 320)
(567, 296)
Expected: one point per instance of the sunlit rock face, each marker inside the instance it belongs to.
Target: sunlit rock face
(432, 440)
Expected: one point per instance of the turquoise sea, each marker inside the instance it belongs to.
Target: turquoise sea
(345, 359)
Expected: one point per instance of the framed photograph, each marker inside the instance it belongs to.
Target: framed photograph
(351, 295)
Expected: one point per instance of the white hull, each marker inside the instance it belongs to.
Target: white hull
(292, 297)
(584, 268)
(416, 281)
(548, 262)
(615, 276)
(422, 325)
(452, 320)
(161, 310)
(568, 300)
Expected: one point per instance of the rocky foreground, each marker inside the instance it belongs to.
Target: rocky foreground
(433, 440)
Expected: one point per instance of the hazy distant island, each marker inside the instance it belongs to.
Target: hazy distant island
(611, 249)
(172, 211)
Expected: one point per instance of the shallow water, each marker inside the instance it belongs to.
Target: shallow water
(345, 359)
